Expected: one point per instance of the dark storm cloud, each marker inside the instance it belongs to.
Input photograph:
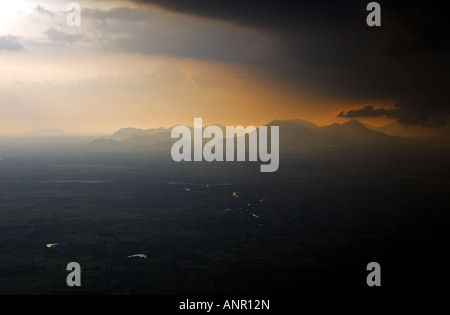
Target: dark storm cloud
(368, 111)
(327, 47)
(273, 15)
(427, 110)
(416, 109)
(152, 32)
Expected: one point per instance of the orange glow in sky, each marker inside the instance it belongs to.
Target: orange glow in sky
(83, 80)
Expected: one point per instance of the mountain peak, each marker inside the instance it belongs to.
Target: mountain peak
(125, 133)
(354, 123)
(128, 129)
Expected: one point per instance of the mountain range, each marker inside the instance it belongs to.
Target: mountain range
(418, 132)
(294, 135)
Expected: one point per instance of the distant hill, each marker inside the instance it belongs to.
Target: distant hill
(134, 140)
(306, 135)
(354, 131)
(295, 136)
(397, 129)
(126, 133)
(43, 133)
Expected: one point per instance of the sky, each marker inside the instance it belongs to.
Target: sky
(146, 64)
